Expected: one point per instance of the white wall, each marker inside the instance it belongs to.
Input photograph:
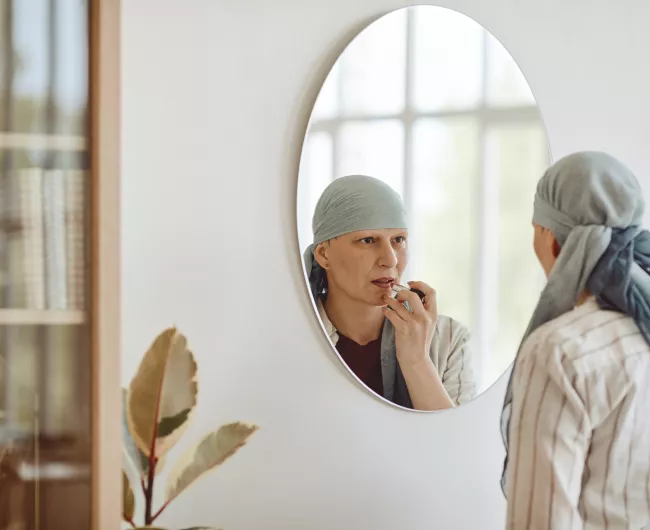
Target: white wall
(216, 98)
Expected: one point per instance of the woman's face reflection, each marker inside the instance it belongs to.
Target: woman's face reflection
(364, 265)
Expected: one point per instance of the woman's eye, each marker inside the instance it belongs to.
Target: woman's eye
(367, 240)
(400, 239)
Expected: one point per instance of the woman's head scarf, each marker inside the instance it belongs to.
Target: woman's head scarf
(351, 204)
(594, 207)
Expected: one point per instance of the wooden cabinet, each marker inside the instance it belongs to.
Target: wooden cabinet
(60, 431)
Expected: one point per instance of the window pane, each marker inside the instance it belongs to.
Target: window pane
(71, 81)
(373, 66)
(447, 60)
(374, 148)
(45, 394)
(506, 84)
(50, 58)
(33, 353)
(315, 174)
(327, 102)
(45, 384)
(443, 230)
(43, 175)
(42, 218)
(518, 156)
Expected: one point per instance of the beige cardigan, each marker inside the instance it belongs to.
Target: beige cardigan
(449, 352)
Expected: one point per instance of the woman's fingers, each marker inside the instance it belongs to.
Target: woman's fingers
(430, 300)
(397, 307)
(413, 300)
(394, 318)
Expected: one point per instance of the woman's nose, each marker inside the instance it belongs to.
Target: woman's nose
(387, 257)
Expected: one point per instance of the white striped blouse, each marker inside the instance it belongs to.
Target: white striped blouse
(580, 425)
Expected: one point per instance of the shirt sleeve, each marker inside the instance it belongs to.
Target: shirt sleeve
(458, 377)
(549, 441)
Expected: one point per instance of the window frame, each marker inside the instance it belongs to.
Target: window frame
(105, 260)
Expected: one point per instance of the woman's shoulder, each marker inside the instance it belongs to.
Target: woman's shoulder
(451, 337)
(452, 328)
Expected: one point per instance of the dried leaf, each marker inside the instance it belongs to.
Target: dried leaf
(128, 499)
(211, 452)
(164, 387)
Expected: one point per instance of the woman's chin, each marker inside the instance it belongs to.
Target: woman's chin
(377, 301)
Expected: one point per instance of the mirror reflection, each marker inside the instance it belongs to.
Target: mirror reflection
(419, 164)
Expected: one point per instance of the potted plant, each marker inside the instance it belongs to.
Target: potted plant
(157, 408)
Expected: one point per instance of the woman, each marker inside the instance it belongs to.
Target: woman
(575, 419)
(412, 357)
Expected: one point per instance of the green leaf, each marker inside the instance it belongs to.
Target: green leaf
(163, 387)
(211, 452)
(128, 499)
(166, 426)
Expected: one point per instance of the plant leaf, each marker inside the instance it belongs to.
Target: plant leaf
(211, 452)
(128, 499)
(160, 464)
(166, 426)
(135, 456)
(163, 387)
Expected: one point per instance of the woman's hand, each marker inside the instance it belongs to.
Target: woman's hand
(413, 330)
(413, 335)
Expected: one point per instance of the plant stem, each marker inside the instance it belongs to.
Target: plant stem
(155, 516)
(153, 460)
(149, 491)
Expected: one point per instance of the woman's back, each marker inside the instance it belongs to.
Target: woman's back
(584, 382)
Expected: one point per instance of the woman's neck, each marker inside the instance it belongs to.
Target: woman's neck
(357, 320)
(586, 295)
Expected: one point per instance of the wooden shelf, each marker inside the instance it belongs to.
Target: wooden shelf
(45, 317)
(42, 141)
(29, 472)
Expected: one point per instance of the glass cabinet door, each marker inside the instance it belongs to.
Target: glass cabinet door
(46, 346)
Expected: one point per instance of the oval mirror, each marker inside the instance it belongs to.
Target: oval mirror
(420, 163)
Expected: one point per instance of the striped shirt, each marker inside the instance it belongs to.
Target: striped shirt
(580, 425)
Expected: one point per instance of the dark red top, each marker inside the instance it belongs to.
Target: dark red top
(364, 361)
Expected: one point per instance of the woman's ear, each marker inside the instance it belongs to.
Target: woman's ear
(321, 255)
(556, 248)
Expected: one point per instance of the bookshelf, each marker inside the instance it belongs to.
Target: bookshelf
(60, 413)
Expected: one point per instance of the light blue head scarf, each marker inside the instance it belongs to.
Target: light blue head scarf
(594, 207)
(350, 204)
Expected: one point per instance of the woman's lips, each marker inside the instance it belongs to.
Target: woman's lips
(384, 283)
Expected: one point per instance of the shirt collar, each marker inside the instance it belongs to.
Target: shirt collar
(329, 327)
